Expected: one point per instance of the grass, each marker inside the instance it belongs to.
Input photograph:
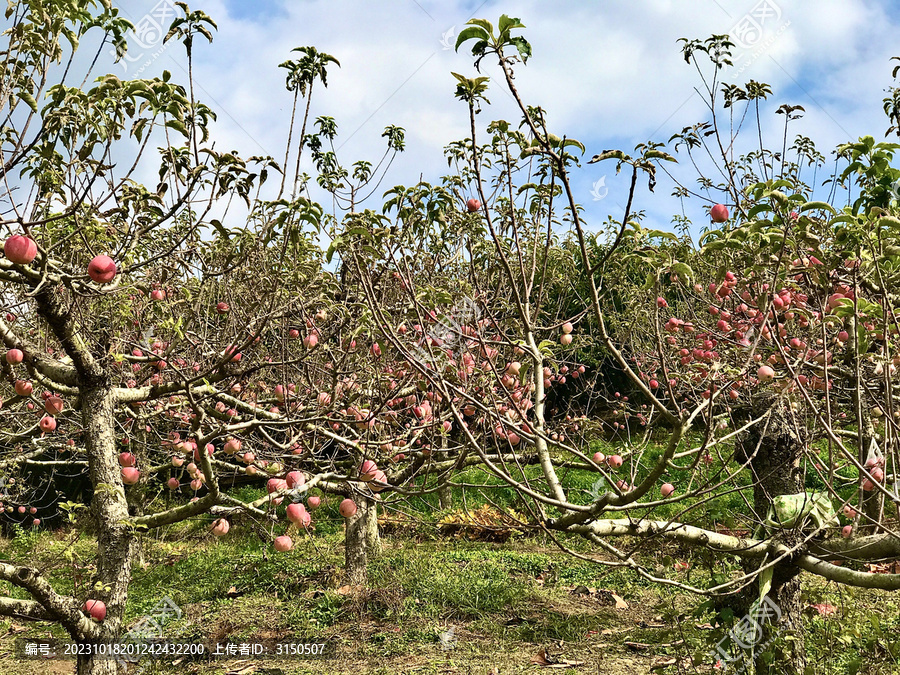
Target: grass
(503, 601)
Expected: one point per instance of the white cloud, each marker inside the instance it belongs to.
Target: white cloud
(610, 74)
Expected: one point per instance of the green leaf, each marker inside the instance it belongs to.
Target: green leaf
(820, 206)
(683, 269)
(607, 154)
(28, 99)
(472, 32)
(178, 126)
(506, 24)
(759, 208)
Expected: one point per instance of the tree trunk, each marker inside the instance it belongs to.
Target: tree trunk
(776, 447)
(373, 538)
(445, 497)
(356, 542)
(116, 543)
(89, 665)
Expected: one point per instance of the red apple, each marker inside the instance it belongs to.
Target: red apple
(23, 387)
(666, 489)
(53, 405)
(173, 483)
(615, 461)
(295, 513)
(473, 205)
(222, 308)
(20, 249)
(96, 608)
(347, 508)
(102, 269)
(367, 470)
(719, 213)
(130, 475)
(283, 543)
(14, 356)
(295, 479)
(127, 459)
(47, 424)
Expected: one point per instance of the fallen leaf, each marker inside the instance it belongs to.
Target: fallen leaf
(613, 597)
(349, 590)
(543, 659)
(663, 663)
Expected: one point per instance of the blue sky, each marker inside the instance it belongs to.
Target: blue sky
(609, 73)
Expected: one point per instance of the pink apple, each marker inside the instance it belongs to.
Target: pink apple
(765, 374)
(96, 608)
(173, 483)
(283, 543)
(275, 485)
(127, 459)
(314, 502)
(23, 387)
(54, 405)
(295, 513)
(473, 205)
(666, 489)
(295, 479)
(565, 339)
(47, 424)
(846, 531)
(347, 508)
(719, 213)
(567, 327)
(102, 269)
(599, 458)
(20, 249)
(130, 475)
(615, 461)
(220, 527)
(367, 470)
(14, 356)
